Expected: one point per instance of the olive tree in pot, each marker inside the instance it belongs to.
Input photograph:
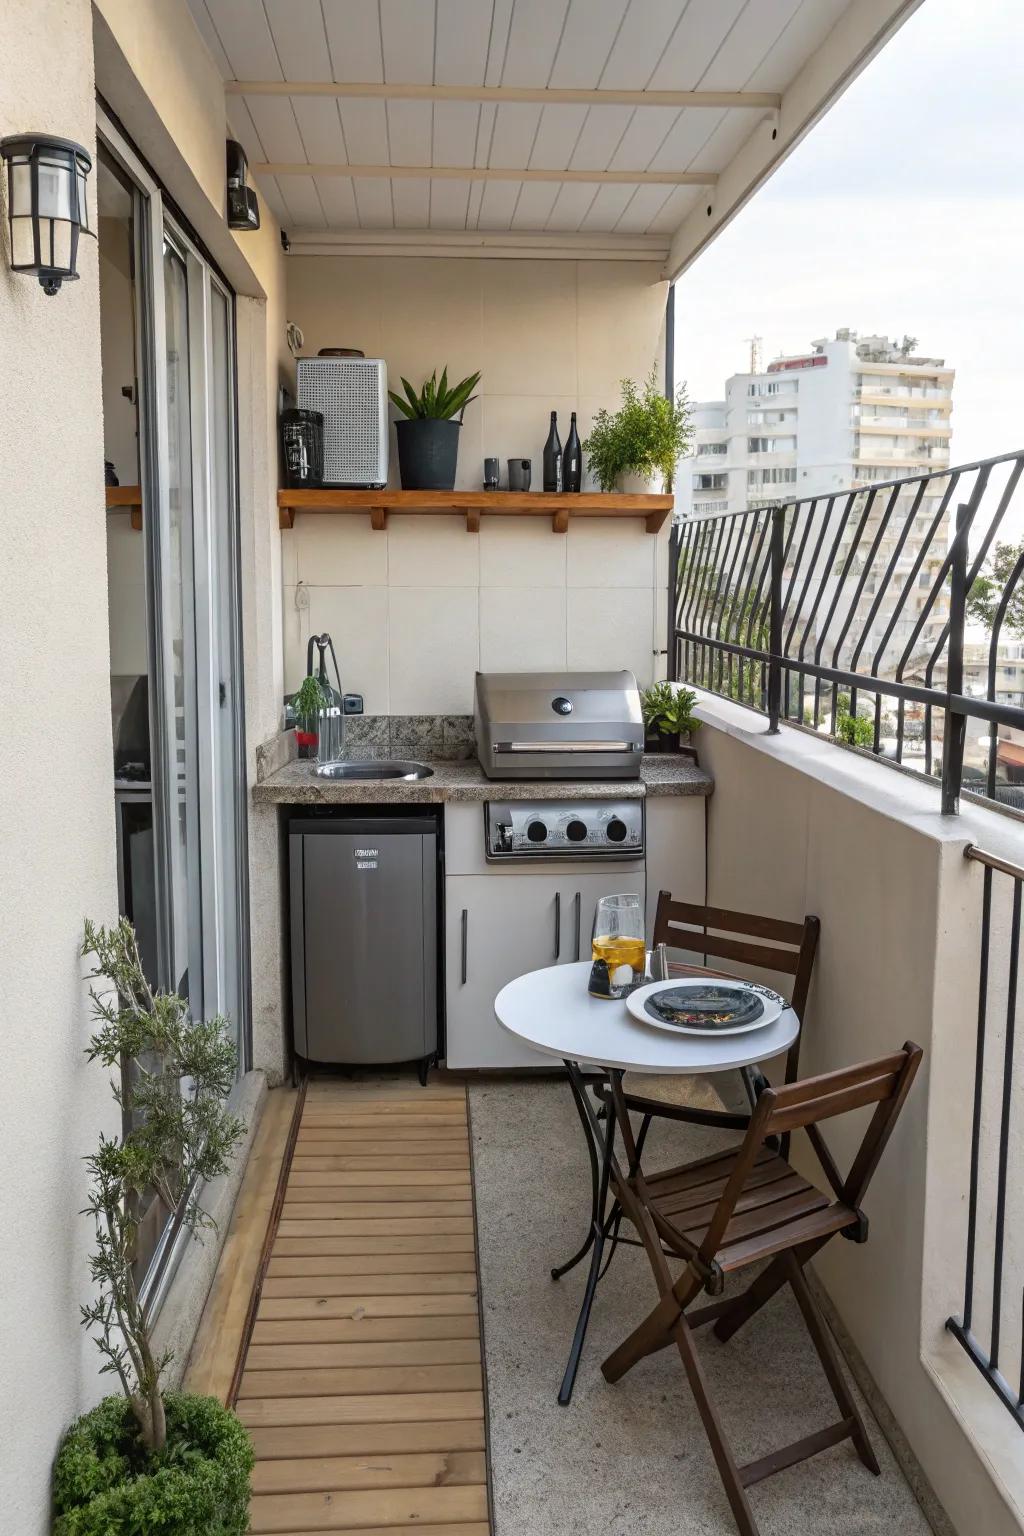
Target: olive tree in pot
(428, 434)
(150, 1460)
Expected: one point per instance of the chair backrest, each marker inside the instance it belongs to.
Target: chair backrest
(884, 1082)
(708, 931)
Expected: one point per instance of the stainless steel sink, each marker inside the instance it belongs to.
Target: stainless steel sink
(382, 768)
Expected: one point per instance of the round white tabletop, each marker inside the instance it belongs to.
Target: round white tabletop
(553, 1011)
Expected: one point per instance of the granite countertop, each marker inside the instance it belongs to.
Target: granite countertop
(297, 784)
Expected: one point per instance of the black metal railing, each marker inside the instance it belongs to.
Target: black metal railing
(992, 1321)
(849, 611)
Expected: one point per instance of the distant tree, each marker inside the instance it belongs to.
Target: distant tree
(987, 591)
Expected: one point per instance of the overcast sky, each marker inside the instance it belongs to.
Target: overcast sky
(901, 212)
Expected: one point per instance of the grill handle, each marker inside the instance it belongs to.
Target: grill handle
(564, 747)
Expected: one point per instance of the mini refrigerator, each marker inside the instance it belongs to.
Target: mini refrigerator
(364, 939)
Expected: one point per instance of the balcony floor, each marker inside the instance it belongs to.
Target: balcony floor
(362, 1382)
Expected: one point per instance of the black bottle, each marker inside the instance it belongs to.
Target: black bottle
(553, 457)
(572, 460)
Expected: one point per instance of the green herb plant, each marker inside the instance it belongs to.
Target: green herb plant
(435, 401)
(173, 1075)
(648, 435)
(310, 699)
(668, 710)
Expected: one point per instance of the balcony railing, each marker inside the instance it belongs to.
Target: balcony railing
(990, 1324)
(850, 609)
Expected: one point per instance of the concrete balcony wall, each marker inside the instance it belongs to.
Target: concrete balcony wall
(797, 825)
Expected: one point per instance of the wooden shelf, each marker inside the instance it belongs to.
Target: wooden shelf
(476, 504)
(122, 498)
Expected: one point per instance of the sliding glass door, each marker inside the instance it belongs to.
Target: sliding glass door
(184, 396)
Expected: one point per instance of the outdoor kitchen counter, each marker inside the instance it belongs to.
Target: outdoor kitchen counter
(297, 784)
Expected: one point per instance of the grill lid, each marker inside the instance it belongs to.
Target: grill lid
(547, 724)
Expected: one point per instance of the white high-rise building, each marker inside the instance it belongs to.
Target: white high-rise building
(849, 412)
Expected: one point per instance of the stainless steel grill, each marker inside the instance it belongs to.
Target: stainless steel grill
(558, 725)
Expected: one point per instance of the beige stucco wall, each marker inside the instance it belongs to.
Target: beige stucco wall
(416, 610)
(56, 800)
(798, 826)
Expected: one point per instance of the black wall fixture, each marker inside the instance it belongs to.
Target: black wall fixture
(47, 206)
(243, 209)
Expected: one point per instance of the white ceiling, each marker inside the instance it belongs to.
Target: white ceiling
(650, 45)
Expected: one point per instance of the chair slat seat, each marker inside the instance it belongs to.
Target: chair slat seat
(773, 1198)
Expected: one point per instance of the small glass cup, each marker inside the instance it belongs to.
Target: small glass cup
(618, 946)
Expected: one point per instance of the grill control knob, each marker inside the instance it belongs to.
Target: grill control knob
(616, 830)
(576, 831)
(536, 831)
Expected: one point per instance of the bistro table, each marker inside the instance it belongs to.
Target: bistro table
(552, 1011)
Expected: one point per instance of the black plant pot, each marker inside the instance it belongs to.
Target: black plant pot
(427, 454)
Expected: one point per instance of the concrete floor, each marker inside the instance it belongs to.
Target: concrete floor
(633, 1460)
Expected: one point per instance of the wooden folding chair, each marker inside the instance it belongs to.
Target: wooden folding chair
(735, 1209)
(766, 943)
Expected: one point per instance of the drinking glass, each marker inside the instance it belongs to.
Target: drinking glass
(618, 947)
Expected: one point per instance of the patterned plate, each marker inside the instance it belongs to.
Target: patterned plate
(694, 1006)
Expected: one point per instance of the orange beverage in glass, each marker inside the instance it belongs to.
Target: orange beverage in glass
(618, 947)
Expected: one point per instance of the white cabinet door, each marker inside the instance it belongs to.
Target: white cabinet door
(498, 927)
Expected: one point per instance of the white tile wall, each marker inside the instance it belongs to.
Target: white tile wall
(416, 610)
(522, 629)
(434, 649)
(611, 627)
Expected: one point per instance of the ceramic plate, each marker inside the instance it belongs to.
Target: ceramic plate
(704, 1007)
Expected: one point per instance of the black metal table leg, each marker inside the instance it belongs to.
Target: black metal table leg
(588, 1243)
(601, 1150)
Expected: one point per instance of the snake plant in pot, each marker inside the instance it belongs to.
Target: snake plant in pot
(428, 431)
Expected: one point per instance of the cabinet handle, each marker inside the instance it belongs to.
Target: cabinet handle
(558, 924)
(465, 943)
(579, 904)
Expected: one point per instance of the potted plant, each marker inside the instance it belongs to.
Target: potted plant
(641, 442)
(307, 707)
(668, 716)
(428, 434)
(150, 1460)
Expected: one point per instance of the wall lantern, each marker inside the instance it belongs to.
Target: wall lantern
(46, 205)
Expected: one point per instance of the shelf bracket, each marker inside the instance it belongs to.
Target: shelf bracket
(286, 517)
(472, 519)
(378, 519)
(560, 521)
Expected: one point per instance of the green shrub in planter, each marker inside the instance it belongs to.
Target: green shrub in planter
(106, 1482)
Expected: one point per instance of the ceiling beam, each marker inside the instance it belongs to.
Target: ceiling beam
(483, 173)
(544, 95)
(545, 245)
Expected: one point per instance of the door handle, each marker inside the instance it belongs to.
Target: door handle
(465, 943)
(558, 923)
(579, 904)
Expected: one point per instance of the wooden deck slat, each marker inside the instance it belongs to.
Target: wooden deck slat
(389, 1208)
(372, 1224)
(352, 1381)
(398, 1162)
(436, 1469)
(376, 1408)
(356, 1178)
(320, 1289)
(365, 1329)
(363, 1380)
(315, 1247)
(322, 1355)
(301, 1440)
(341, 1511)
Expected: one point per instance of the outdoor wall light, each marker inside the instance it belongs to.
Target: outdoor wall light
(46, 205)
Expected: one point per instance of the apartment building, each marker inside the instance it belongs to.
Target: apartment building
(853, 412)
